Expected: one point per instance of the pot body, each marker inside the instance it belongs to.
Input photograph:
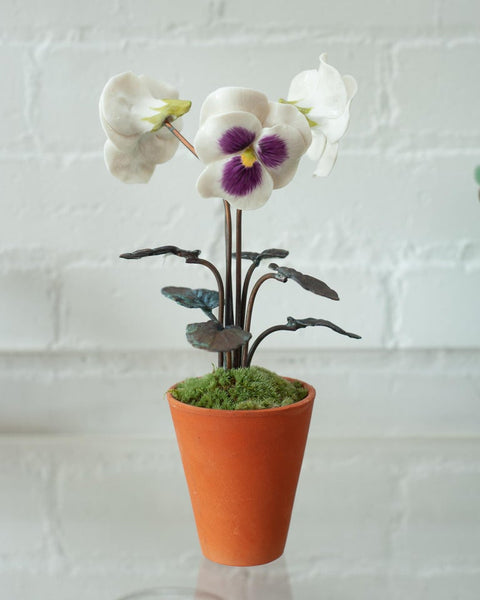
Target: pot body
(242, 470)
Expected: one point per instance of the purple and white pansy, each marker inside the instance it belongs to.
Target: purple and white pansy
(250, 146)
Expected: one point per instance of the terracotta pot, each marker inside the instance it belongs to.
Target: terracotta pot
(242, 469)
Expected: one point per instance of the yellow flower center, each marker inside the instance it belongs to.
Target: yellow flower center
(248, 157)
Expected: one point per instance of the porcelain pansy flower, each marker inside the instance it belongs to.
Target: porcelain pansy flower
(250, 146)
(324, 97)
(133, 110)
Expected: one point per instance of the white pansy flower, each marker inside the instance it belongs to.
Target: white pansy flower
(323, 96)
(133, 110)
(250, 146)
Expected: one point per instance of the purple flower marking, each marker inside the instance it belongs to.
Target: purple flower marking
(236, 139)
(238, 180)
(272, 151)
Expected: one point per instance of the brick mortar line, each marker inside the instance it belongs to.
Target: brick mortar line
(271, 35)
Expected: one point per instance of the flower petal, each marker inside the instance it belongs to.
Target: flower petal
(227, 133)
(334, 129)
(280, 148)
(128, 100)
(125, 143)
(317, 146)
(245, 188)
(286, 114)
(129, 168)
(158, 89)
(125, 100)
(327, 160)
(158, 146)
(323, 91)
(232, 99)
(272, 149)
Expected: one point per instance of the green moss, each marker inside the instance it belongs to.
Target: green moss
(239, 389)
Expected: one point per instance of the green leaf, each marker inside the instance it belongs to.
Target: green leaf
(192, 298)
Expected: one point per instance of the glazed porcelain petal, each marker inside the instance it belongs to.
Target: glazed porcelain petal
(159, 89)
(125, 143)
(323, 97)
(158, 146)
(129, 168)
(322, 90)
(317, 146)
(279, 148)
(335, 129)
(243, 188)
(327, 160)
(125, 102)
(225, 134)
(286, 114)
(233, 99)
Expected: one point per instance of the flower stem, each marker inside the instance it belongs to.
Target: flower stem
(180, 137)
(246, 283)
(238, 283)
(228, 274)
(248, 316)
(228, 265)
(260, 338)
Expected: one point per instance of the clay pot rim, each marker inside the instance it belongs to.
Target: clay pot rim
(248, 413)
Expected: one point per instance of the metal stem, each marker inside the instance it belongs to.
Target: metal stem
(246, 284)
(248, 316)
(260, 339)
(238, 269)
(228, 265)
(237, 356)
(180, 137)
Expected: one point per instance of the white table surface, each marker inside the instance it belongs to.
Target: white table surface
(96, 517)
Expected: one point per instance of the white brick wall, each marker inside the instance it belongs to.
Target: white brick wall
(88, 344)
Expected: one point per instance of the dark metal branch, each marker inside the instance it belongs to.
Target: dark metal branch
(293, 324)
(237, 357)
(248, 316)
(160, 251)
(180, 137)
(238, 269)
(256, 258)
(253, 295)
(260, 339)
(246, 285)
(228, 265)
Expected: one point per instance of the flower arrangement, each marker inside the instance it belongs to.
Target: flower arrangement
(242, 463)
(249, 146)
